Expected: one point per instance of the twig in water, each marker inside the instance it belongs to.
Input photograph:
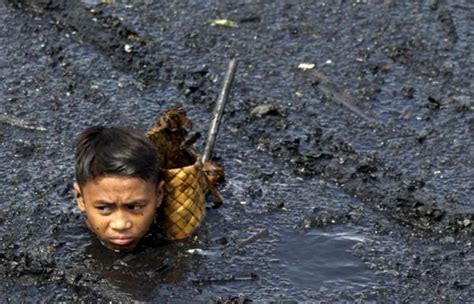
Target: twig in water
(341, 96)
(260, 234)
(254, 237)
(232, 278)
(20, 123)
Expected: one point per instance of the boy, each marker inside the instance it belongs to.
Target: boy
(118, 184)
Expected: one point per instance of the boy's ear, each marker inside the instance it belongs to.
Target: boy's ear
(160, 193)
(79, 197)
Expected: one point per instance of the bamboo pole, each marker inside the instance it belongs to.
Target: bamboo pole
(219, 110)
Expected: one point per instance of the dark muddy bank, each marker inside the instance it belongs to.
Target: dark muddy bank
(383, 199)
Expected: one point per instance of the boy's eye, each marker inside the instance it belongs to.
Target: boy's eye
(104, 208)
(135, 207)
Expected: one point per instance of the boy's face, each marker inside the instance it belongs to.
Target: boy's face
(119, 209)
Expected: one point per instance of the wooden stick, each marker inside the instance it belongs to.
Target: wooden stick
(254, 237)
(219, 110)
(341, 96)
(231, 278)
(20, 123)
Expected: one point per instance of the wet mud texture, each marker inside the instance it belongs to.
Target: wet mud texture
(376, 139)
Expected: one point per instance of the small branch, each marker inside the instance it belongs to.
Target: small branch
(341, 96)
(251, 277)
(20, 123)
(256, 236)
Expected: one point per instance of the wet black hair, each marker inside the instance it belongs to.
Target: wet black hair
(102, 151)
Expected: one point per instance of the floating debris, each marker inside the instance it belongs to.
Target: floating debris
(20, 123)
(202, 252)
(464, 101)
(96, 2)
(232, 278)
(258, 235)
(127, 48)
(306, 66)
(224, 22)
(406, 113)
(265, 110)
(435, 103)
(195, 251)
(332, 91)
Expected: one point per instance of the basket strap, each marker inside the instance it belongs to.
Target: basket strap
(212, 174)
(216, 197)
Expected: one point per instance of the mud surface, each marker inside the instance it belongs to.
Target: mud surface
(349, 181)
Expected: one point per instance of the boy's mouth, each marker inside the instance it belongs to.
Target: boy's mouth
(121, 241)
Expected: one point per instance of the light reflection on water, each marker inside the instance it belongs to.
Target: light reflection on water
(322, 258)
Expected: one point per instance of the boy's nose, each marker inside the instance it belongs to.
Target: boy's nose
(120, 224)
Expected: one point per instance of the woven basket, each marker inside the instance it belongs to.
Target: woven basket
(187, 179)
(184, 204)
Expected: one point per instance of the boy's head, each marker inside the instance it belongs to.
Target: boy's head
(118, 184)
